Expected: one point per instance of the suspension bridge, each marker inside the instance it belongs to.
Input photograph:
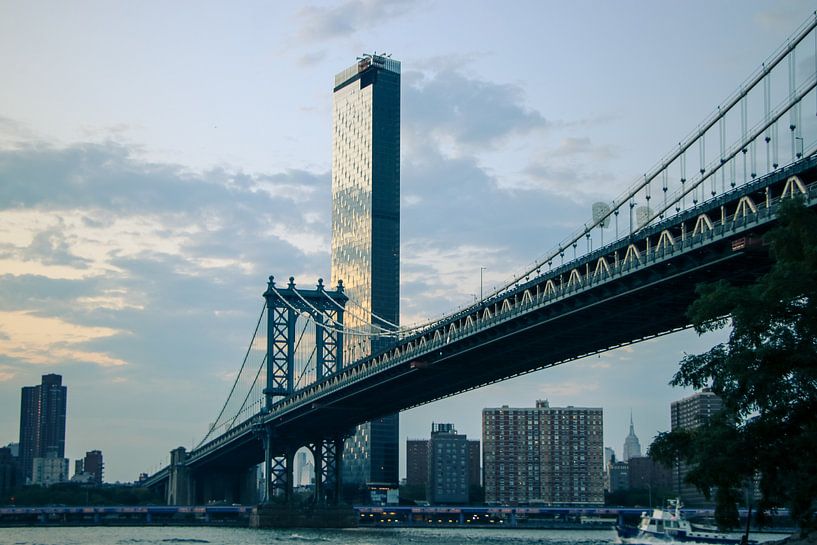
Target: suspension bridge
(697, 216)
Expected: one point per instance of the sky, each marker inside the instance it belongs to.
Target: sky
(159, 160)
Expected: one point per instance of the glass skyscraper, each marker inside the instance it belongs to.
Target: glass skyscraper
(366, 236)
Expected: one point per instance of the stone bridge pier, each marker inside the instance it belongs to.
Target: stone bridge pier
(279, 465)
(180, 481)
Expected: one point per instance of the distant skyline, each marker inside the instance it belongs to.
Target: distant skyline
(159, 161)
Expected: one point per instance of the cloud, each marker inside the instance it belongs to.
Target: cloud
(569, 389)
(345, 19)
(6, 372)
(113, 299)
(583, 146)
(783, 17)
(307, 242)
(296, 185)
(172, 262)
(71, 212)
(462, 113)
(567, 175)
(594, 362)
(51, 341)
(308, 59)
(14, 134)
(452, 115)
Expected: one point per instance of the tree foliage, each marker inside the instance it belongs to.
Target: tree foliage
(766, 375)
(73, 494)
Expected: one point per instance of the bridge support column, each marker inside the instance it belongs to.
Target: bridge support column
(248, 486)
(327, 455)
(337, 449)
(267, 438)
(278, 476)
(289, 479)
(180, 485)
(317, 458)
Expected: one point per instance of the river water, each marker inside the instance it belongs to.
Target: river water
(243, 536)
(167, 535)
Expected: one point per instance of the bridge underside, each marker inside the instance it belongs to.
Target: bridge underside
(647, 301)
(644, 304)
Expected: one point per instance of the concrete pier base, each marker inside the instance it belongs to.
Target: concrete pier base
(277, 516)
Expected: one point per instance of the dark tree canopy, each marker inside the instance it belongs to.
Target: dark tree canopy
(766, 375)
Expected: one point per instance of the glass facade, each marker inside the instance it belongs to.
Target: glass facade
(366, 236)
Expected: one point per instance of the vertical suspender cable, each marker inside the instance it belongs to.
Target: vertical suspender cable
(683, 164)
(647, 196)
(753, 153)
(744, 128)
(732, 181)
(664, 185)
(793, 111)
(723, 149)
(767, 105)
(701, 165)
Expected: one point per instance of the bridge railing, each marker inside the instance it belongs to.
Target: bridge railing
(518, 304)
(684, 187)
(682, 193)
(515, 303)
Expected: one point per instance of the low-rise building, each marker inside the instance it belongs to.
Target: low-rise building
(49, 470)
(448, 481)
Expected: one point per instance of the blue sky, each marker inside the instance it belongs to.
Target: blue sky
(159, 160)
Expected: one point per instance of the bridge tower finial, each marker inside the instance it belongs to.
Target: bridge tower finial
(320, 284)
(291, 283)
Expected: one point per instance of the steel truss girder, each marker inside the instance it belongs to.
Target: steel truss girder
(278, 476)
(326, 470)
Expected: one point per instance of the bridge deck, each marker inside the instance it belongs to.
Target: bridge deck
(632, 289)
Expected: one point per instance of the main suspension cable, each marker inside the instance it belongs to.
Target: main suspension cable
(237, 377)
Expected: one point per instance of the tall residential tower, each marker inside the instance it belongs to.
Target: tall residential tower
(690, 413)
(366, 236)
(42, 423)
(550, 455)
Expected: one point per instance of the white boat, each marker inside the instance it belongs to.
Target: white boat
(670, 525)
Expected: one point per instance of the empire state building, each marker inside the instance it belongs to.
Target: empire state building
(632, 447)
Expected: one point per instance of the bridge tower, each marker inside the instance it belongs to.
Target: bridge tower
(326, 309)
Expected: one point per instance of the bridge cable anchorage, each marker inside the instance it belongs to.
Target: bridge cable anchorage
(776, 58)
(237, 377)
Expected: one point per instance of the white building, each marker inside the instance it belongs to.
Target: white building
(48, 471)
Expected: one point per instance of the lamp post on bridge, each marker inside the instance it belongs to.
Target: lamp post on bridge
(481, 269)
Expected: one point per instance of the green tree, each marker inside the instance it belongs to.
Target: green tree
(766, 375)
